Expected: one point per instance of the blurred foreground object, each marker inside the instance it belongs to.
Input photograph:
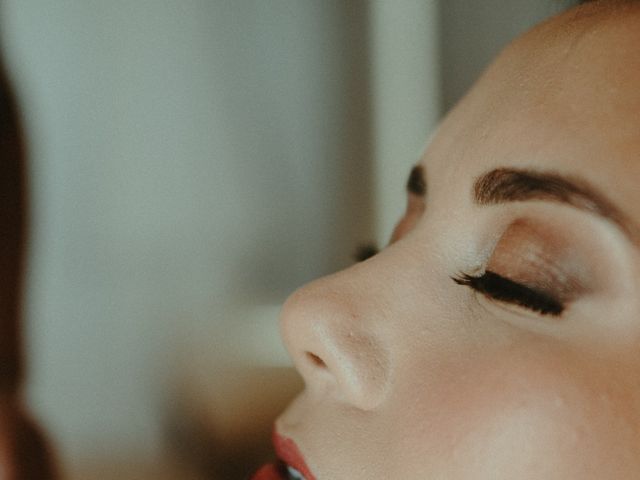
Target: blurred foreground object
(228, 397)
(23, 451)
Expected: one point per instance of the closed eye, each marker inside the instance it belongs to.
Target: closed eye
(502, 289)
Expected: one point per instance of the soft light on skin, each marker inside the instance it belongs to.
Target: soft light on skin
(410, 375)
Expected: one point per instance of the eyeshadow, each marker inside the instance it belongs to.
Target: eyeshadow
(534, 257)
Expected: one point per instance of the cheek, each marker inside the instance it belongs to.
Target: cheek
(521, 416)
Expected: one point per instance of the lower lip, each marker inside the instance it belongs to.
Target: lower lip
(288, 452)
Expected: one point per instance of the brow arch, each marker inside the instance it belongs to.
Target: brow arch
(504, 185)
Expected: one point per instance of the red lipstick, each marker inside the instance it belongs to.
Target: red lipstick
(289, 454)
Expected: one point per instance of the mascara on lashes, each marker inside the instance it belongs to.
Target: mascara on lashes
(502, 289)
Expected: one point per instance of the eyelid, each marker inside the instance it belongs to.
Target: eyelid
(542, 258)
(530, 267)
(582, 262)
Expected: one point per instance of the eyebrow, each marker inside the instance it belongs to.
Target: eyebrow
(504, 185)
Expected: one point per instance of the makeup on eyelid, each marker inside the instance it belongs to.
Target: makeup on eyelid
(528, 254)
(535, 265)
(530, 268)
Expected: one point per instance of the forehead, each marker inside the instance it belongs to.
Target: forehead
(564, 97)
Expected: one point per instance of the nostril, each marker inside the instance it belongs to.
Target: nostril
(316, 360)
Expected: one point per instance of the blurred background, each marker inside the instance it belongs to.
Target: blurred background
(192, 162)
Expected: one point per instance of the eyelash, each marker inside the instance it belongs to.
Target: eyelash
(502, 289)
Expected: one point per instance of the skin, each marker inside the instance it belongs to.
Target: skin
(410, 375)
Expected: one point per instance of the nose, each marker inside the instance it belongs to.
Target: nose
(333, 338)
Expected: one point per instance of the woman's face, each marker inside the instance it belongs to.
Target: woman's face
(498, 336)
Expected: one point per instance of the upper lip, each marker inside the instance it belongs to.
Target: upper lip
(288, 452)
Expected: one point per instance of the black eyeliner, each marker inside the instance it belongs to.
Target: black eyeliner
(500, 288)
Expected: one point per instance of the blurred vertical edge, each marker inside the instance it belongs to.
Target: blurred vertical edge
(24, 453)
(13, 212)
